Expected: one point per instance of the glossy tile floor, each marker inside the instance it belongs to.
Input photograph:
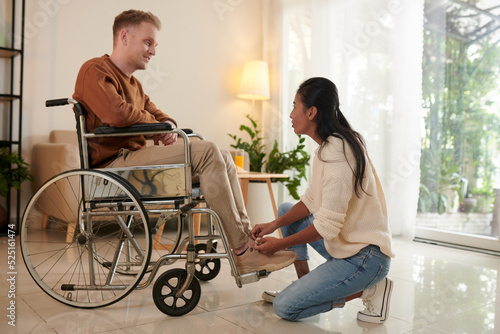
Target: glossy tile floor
(437, 290)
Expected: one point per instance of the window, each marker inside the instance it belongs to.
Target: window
(461, 140)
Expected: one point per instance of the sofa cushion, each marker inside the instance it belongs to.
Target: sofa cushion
(64, 136)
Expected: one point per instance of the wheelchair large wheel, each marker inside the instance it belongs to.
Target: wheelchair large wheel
(80, 231)
(165, 292)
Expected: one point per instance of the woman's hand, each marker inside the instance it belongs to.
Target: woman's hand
(269, 245)
(261, 230)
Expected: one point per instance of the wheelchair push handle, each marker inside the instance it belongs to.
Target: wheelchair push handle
(59, 102)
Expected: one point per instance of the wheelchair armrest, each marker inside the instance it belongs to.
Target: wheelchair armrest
(133, 128)
(156, 127)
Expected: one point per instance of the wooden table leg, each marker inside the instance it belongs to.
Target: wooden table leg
(244, 190)
(271, 194)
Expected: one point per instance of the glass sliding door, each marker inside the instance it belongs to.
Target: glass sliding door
(459, 199)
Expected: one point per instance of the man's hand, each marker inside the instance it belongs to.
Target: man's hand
(166, 138)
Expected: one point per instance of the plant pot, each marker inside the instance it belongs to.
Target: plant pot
(259, 206)
(468, 205)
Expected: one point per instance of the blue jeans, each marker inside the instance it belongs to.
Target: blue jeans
(301, 250)
(327, 286)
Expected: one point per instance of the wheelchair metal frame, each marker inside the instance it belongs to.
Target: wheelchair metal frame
(137, 205)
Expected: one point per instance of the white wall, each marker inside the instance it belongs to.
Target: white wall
(194, 77)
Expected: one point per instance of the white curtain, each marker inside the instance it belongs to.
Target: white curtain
(372, 51)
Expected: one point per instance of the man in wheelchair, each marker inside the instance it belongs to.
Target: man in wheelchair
(112, 96)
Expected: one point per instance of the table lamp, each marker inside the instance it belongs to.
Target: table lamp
(255, 82)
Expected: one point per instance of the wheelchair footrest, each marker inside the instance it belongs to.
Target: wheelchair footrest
(251, 277)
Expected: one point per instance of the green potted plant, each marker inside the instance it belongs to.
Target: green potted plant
(295, 160)
(442, 186)
(254, 148)
(13, 171)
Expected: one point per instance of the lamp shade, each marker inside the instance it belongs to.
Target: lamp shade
(255, 81)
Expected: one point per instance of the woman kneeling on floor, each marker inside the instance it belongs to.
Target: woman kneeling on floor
(342, 215)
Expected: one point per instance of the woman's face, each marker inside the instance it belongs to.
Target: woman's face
(301, 122)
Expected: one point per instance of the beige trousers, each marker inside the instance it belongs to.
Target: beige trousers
(216, 172)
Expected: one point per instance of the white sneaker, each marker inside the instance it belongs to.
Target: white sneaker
(377, 300)
(269, 296)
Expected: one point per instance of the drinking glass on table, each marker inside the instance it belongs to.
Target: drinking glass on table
(239, 159)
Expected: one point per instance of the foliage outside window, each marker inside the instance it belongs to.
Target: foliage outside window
(461, 89)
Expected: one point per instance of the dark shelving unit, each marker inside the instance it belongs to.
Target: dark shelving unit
(11, 97)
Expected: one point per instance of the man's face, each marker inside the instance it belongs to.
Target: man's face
(141, 42)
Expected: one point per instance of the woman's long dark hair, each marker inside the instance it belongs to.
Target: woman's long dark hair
(323, 94)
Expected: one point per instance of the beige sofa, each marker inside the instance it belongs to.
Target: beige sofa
(60, 154)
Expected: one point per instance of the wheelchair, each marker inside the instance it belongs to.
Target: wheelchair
(126, 223)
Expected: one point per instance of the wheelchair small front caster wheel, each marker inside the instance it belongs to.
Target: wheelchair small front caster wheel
(165, 290)
(206, 269)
